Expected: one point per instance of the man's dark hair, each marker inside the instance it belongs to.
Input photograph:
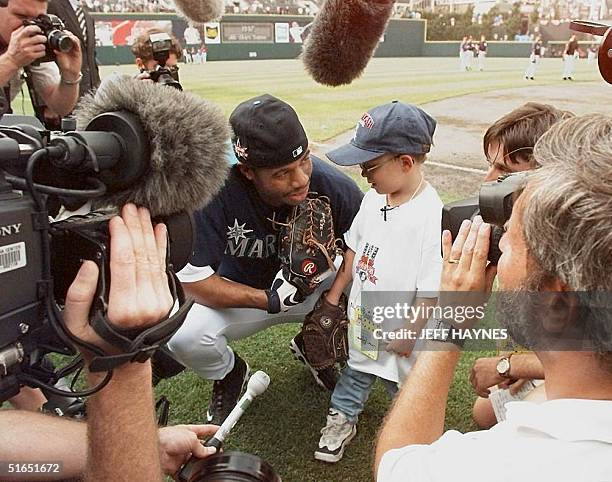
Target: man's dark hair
(520, 129)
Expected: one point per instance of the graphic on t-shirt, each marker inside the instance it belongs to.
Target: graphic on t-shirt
(239, 245)
(365, 267)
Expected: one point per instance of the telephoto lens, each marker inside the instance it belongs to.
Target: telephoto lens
(230, 467)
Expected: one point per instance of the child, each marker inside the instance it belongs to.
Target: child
(393, 246)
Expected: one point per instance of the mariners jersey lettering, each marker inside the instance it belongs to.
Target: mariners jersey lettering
(236, 235)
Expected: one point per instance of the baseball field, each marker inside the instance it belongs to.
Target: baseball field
(282, 426)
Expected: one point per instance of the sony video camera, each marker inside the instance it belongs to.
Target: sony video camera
(54, 31)
(494, 203)
(161, 44)
(39, 258)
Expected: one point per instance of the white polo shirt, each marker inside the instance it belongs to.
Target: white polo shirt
(558, 441)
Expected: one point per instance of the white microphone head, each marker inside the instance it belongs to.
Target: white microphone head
(258, 383)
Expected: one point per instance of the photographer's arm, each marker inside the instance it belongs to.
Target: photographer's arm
(484, 373)
(217, 292)
(122, 431)
(27, 438)
(62, 97)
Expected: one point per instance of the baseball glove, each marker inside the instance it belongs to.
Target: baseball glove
(307, 245)
(325, 334)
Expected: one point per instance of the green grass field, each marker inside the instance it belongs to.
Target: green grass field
(283, 425)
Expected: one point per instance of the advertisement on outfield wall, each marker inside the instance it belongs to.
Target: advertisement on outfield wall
(118, 33)
(124, 32)
(281, 33)
(212, 33)
(247, 32)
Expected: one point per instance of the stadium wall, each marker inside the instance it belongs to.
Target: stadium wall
(242, 37)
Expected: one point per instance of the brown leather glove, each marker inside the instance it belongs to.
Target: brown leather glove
(325, 333)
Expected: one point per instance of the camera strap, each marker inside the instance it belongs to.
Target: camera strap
(138, 345)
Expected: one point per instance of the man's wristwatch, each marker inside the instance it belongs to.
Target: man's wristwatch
(444, 332)
(503, 366)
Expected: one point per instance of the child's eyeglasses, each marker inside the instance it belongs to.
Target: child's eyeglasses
(368, 169)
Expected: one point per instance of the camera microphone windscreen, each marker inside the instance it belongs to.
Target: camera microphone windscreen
(185, 139)
(343, 38)
(200, 11)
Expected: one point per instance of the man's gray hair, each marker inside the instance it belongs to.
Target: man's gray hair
(568, 216)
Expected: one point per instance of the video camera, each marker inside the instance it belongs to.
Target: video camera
(54, 31)
(161, 44)
(604, 58)
(494, 203)
(39, 259)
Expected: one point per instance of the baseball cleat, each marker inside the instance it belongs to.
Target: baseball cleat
(325, 378)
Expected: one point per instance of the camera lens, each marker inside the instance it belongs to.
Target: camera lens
(58, 40)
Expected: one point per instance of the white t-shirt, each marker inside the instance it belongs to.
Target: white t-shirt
(558, 441)
(401, 254)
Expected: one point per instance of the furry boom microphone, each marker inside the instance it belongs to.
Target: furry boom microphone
(343, 37)
(200, 11)
(159, 148)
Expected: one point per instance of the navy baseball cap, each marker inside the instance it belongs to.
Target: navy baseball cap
(390, 128)
(267, 133)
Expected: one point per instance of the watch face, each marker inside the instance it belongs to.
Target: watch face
(503, 366)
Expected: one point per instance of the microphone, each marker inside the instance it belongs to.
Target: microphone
(343, 37)
(163, 148)
(258, 383)
(200, 11)
(156, 147)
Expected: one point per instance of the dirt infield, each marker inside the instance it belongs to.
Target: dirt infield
(463, 120)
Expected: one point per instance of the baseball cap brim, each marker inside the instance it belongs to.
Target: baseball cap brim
(351, 155)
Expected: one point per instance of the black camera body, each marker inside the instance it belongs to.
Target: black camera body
(54, 31)
(494, 203)
(39, 258)
(165, 76)
(161, 45)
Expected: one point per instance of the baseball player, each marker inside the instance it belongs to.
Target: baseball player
(592, 54)
(570, 53)
(234, 273)
(534, 59)
(482, 52)
(393, 245)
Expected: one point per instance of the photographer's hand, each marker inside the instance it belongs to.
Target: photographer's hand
(70, 62)
(178, 443)
(466, 279)
(139, 293)
(27, 45)
(121, 422)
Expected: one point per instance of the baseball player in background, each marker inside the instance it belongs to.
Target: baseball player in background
(537, 50)
(482, 52)
(570, 53)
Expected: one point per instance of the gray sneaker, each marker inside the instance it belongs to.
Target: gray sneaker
(335, 436)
